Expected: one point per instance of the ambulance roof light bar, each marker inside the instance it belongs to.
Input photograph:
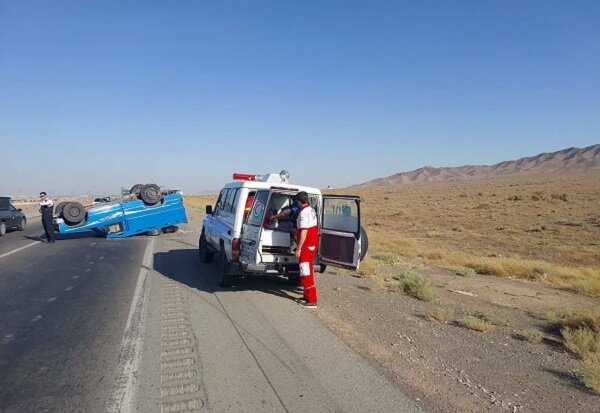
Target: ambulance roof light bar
(282, 178)
(246, 177)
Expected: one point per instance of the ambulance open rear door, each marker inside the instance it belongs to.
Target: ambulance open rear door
(340, 243)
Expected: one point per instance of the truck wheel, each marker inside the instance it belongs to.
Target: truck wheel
(364, 243)
(154, 232)
(151, 194)
(59, 208)
(73, 213)
(2, 228)
(204, 251)
(23, 224)
(224, 277)
(136, 189)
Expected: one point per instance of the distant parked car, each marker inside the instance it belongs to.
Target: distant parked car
(101, 200)
(10, 217)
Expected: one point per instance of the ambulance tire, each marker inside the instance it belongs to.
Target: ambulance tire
(151, 194)
(206, 255)
(364, 243)
(59, 208)
(136, 189)
(225, 279)
(73, 213)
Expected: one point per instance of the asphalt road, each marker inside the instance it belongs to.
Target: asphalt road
(63, 309)
(85, 316)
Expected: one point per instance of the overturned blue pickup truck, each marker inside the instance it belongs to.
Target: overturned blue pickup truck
(148, 209)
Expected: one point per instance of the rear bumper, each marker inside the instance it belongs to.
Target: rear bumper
(270, 268)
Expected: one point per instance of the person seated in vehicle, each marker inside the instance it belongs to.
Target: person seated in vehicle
(285, 219)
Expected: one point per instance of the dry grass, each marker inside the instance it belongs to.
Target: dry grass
(575, 318)
(377, 285)
(416, 285)
(368, 267)
(465, 271)
(580, 329)
(440, 314)
(199, 202)
(532, 335)
(583, 342)
(548, 231)
(475, 323)
(591, 375)
(492, 318)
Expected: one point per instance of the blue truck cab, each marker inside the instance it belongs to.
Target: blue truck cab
(125, 218)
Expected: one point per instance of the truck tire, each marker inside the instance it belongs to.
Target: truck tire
(22, 224)
(204, 251)
(59, 208)
(136, 189)
(224, 276)
(364, 243)
(151, 194)
(154, 232)
(73, 213)
(2, 228)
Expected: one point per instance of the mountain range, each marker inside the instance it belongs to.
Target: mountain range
(571, 160)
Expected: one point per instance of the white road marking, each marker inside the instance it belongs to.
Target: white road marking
(31, 244)
(88, 269)
(124, 392)
(75, 277)
(69, 288)
(51, 299)
(36, 318)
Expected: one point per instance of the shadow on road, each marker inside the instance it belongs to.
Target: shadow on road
(184, 266)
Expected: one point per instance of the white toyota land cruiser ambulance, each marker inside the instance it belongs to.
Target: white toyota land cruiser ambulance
(241, 231)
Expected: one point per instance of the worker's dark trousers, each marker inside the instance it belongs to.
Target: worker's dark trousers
(47, 224)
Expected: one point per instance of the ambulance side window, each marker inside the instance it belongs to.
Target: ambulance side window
(228, 208)
(221, 201)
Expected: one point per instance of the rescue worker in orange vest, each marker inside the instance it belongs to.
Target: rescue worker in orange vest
(307, 240)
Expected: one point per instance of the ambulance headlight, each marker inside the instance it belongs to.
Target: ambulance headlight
(284, 175)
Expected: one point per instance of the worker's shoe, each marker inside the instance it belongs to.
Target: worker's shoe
(306, 304)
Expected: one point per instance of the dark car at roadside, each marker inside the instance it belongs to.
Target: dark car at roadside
(10, 217)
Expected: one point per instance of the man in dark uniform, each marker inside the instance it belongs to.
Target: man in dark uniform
(47, 211)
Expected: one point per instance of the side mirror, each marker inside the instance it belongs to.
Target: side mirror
(209, 210)
(20, 209)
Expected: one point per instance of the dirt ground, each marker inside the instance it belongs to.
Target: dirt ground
(453, 368)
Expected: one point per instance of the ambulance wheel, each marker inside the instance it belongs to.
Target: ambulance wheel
(204, 251)
(151, 194)
(59, 208)
(224, 277)
(136, 189)
(2, 228)
(73, 213)
(364, 243)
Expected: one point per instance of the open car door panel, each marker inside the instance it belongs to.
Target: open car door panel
(340, 231)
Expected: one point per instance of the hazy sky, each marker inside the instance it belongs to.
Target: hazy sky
(99, 95)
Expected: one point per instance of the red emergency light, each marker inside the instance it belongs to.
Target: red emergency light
(245, 177)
